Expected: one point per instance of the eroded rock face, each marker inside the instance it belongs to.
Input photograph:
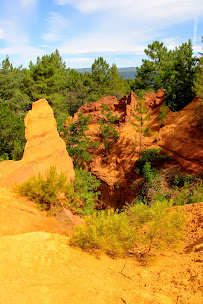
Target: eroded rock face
(178, 137)
(95, 108)
(44, 148)
(181, 139)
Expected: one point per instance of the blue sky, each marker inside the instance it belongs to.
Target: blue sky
(82, 30)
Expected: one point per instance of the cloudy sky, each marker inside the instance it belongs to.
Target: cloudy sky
(82, 30)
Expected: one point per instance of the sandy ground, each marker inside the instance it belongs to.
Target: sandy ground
(38, 266)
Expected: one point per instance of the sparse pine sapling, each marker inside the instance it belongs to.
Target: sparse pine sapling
(141, 117)
(109, 133)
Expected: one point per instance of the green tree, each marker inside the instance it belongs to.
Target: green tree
(116, 82)
(12, 139)
(109, 134)
(170, 70)
(141, 116)
(48, 79)
(100, 73)
(198, 83)
(162, 114)
(77, 142)
(11, 88)
(104, 80)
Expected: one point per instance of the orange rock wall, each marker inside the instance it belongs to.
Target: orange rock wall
(179, 137)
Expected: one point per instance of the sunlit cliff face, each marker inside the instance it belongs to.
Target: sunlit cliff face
(39, 120)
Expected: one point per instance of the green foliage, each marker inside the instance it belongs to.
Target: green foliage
(116, 82)
(77, 142)
(11, 95)
(47, 190)
(151, 188)
(138, 229)
(54, 189)
(148, 172)
(109, 133)
(180, 180)
(170, 70)
(198, 83)
(149, 156)
(158, 225)
(105, 231)
(82, 200)
(104, 80)
(189, 195)
(162, 114)
(141, 116)
(12, 138)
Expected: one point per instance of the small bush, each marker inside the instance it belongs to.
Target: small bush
(181, 180)
(137, 229)
(162, 114)
(106, 231)
(54, 189)
(149, 172)
(45, 190)
(150, 155)
(85, 195)
(158, 226)
(189, 195)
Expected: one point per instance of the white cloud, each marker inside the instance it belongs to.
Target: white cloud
(56, 25)
(195, 30)
(146, 9)
(78, 62)
(28, 3)
(102, 43)
(1, 34)
(22, 54)
(198, 49)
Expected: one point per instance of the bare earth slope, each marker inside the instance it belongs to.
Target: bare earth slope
(40, 267)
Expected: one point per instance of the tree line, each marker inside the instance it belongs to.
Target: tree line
(178, 71)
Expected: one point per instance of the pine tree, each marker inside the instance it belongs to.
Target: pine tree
(141, 116)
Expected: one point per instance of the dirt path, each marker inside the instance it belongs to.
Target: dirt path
(40, 267)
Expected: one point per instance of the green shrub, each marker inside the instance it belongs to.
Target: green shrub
(85, 195)
(137, 229)
(45, 190)
(149, 172)
(157, 226)
(162, 114)
(77, 142)
(54, 189)
(189, 195)
(106, 231)
(181, 180)
(109, 134)
(150, 155)
(4, 156)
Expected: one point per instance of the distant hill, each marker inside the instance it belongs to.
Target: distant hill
(128, 73)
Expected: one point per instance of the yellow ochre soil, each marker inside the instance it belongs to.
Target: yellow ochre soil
(38, 266)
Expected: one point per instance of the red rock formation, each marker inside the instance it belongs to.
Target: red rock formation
(179, 138)
(182, 140)
(95, 108)
(44, 148)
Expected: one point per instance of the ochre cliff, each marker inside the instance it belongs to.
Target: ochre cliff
(44, 148)
(179, 137)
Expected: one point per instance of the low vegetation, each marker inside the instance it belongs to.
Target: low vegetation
(138, 230)
(55, 190)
